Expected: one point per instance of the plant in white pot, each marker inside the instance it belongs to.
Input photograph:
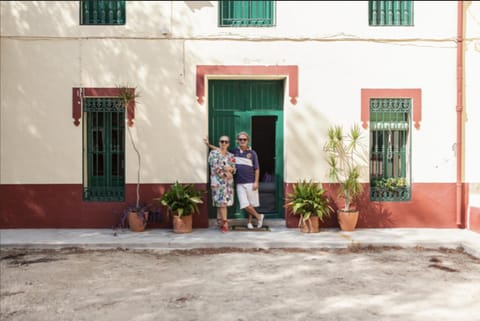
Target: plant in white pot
(346, 159)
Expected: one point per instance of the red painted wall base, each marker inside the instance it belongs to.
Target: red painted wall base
(61, 206)
(432, 206)
(475, 219)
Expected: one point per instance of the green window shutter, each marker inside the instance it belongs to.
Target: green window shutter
(390, 13)
(102, 12)
(249, 13)
(390, 149)
(104, 176)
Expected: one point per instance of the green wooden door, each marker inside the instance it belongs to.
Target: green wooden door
(254, 106)
(270, 154)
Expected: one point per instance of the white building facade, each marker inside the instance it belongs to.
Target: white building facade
(407, 72)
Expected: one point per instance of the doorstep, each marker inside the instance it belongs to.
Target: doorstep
(271, 222)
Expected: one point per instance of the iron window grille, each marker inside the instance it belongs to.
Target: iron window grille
(390, 13)
(249, 13)
(104, 149)
(390, 144)
(102, 12)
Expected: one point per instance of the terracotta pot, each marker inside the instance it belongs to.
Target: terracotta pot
(312, 225)
(347, 220)
(182, 224)
(136, 223)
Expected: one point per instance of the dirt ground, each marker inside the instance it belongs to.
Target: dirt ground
(239, 285)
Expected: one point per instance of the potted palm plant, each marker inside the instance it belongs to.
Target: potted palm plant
(346, 158)
(309, 201)
(136, 215)
(181, 201)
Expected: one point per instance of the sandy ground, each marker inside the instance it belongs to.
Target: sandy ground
(239, 285)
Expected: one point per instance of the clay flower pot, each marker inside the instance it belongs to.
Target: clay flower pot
(311, 225)
(136, 222)
(347, 220)
(182, 224)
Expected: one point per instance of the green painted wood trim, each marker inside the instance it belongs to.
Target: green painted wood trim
(246, 13)
(102, 12)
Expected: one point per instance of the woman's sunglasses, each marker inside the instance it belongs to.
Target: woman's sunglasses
(224, 142)
(242, 139)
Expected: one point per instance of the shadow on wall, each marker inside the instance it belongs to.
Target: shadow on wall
(198, 5)
(373, 214)
(53, 206)
(101, 57)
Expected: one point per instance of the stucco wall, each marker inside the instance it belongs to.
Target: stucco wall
(472, 98)
(197, 19)
(45, 52)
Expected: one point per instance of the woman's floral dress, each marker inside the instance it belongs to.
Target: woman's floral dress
(222, 187)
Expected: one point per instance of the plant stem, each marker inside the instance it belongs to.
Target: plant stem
(139, 163)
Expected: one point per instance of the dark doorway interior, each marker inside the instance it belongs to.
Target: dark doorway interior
(263, 142)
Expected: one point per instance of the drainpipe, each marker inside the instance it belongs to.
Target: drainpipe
(459, 109)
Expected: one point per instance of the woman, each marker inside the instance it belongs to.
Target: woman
(222, 168)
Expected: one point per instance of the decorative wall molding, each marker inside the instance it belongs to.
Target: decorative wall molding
(414, 94)
(255, 71)
(79, 93)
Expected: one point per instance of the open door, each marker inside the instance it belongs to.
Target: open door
(266, 138)
(256, 107)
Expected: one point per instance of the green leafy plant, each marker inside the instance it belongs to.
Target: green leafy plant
(182, 199)
(345, 157)
(307, 199)
(391, 183)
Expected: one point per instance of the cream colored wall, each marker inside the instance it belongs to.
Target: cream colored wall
(39, 143)
(330, 93)
(472, 89)
(45, 52)
(309, 20)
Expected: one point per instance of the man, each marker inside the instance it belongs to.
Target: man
(246, 178)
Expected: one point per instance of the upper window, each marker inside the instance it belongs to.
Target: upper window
(390, 149)
(390, 13)
(102, 12)
(248, 13)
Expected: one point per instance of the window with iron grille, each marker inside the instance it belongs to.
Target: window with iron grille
(104, 149)
(102, 12)
(390, 149)
(236, 13)
(390, 13)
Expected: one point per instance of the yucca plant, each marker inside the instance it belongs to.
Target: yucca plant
(308, 199)
(182, 199)
(345, 157)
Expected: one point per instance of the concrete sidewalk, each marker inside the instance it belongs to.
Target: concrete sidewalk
(278, 237)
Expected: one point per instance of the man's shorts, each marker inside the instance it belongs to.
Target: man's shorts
(247, 196)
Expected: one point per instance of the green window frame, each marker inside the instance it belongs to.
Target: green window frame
(390, 13)
(249, 13)
(104, 149)
(390, 149)
(102, 12)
